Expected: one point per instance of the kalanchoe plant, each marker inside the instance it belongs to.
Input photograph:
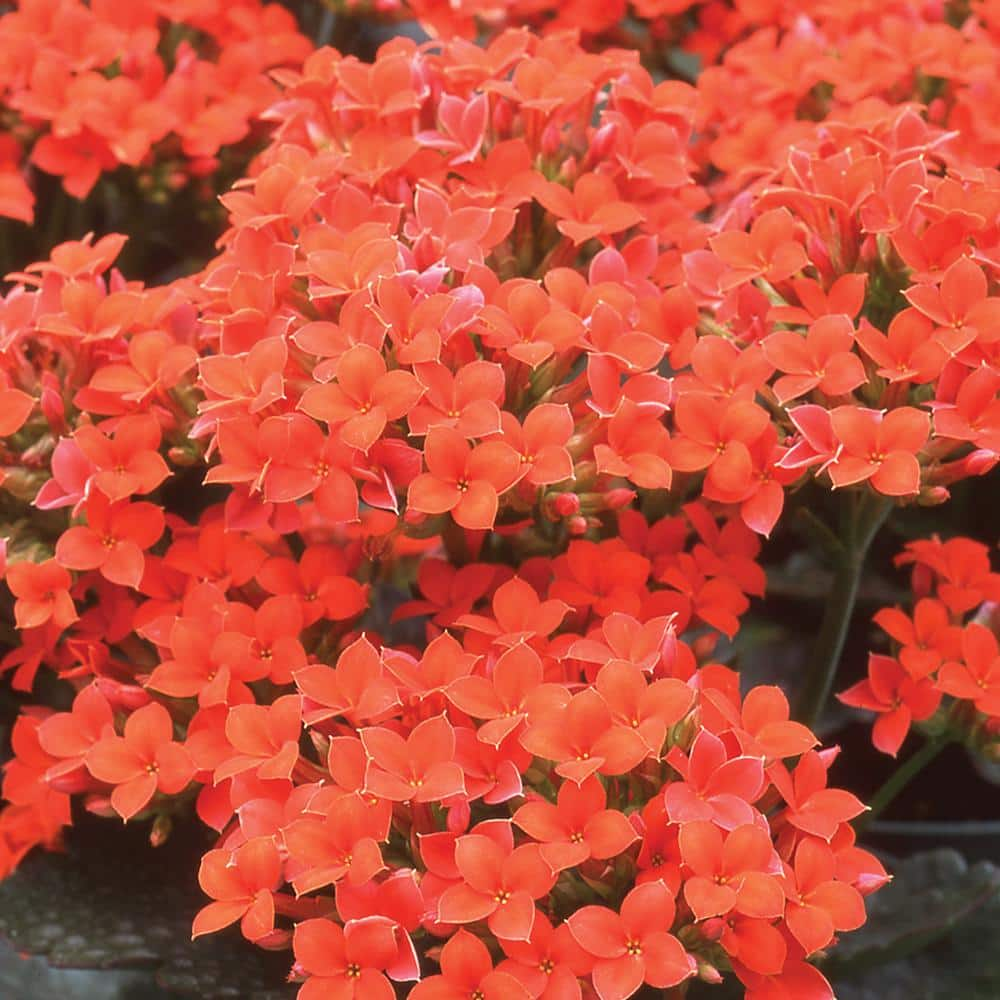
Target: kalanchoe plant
(403, 543)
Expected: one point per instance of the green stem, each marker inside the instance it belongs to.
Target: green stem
(862, 518)
(901, 777)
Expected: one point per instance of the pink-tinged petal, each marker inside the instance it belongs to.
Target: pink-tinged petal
(513, 920)
(741, 776)
(462, 904)
(598, 931)
(124, 564)
(133, 796)
(477, 506)
(810, 926)
(618, 978)
(431, 495)
(890, 730)
(217, 915)
(666, 961)
(898, 475)
(760, 895)
(708, 899)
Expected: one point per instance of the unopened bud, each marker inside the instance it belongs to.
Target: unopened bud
(458, 818)
(577, 526)
(53, 407)
(981, 461)
(551, 140)
(602, 141)
(712, 929)
(160, 832)
(182, 456)
(933, 496)
(100, 805)
(704, 645)
(566, 504)
(69, 780)
(320, 742)
(618, 499)
(709, 973)
(122, 697)
(503, 117)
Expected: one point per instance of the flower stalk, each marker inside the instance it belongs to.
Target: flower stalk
(861, 519)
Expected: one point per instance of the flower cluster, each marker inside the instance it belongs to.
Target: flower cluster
(945, 649)
(400, 543)
(156, 86)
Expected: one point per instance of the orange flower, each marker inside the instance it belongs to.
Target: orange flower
(467, 970)
(821, 360)
(42, 594)
(364, 397)
(735, 871)
(241, 884)
(633, 947)
(419, 768)
(142, 762)
(346, 961)
(464, 481)
(879, 447)
(113, 540)
(498, 887)
(593, 208)
(769, 250)
(577, 827)
(898, 698)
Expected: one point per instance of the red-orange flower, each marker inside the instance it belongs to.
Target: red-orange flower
(241, 884)
(467, 971)
(577, 827)
(42, 593)
(419, 768)
(113, 540)
(498, 887)
(465, 481)
(346, 961)
(898, 698)
(879, 447)
(364, 397)
(735, 871)
(142, 762)
(633, 946)
(818, 904)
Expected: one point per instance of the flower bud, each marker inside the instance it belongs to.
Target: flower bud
(53, 407)
(619, 498)
(602, 141)
(703, 646)
(100, 805)
(69, 778)
(709, 973)
(713, 928)
(160, 833)
(122, 697)
(577, 526)
(503, 117)
(566, 504)
(551, 140)
(933, 496)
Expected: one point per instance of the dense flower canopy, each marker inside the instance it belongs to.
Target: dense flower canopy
(403, 541)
